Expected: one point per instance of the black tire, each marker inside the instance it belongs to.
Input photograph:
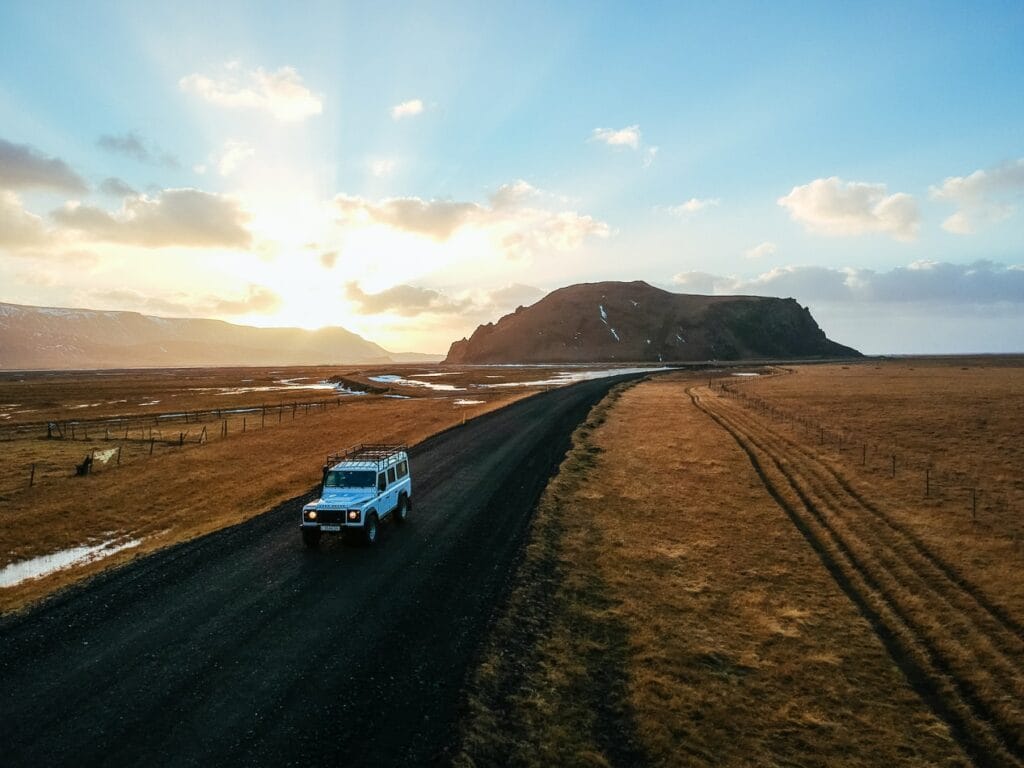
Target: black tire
(401, 513)
(311, 537)
(371, 529)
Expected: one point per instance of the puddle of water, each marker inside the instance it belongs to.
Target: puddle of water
(463, 401)
(391, 378)
(15, 573)
(745, 374)
(431, 375)
(571, 377)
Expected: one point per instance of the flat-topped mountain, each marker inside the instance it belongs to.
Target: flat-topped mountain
(632, 322)
(53, 338)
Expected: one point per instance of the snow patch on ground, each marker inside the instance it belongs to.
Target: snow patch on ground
(614, 334)
(15, 573)
(464, 401)
(391, 378)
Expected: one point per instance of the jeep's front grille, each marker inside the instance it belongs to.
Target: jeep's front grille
(330, 516)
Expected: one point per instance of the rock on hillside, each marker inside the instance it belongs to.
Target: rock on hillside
(52, 338)
(632, 322)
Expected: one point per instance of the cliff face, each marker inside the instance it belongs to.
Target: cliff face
(635, 322)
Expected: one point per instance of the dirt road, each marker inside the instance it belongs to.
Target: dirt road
(244, 648)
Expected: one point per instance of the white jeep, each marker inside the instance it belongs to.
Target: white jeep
(362, 487)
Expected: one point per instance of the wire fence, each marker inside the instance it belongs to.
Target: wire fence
(940, 480)
(43, 452)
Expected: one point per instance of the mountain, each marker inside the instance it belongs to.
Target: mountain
(633, 322)
(52, 338)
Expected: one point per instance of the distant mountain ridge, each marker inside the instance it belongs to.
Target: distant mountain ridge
(636, 322)
(56, 338)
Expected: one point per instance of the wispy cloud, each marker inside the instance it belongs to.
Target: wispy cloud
(233, 154)
(138, 148)
(257, 299)
(116, 187)
(406, 300)
(409, 108)
(761, 250)
(382, 167)
(24, 167)
(281, 93)
(831, 206)
(982, 197)
(692, 206)
(621, 137)
(940, 283)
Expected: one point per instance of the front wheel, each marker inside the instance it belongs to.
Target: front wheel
(311, 537)
(404, 507)
(371, 530)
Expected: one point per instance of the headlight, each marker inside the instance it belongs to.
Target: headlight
(353, 514)
(311, 514)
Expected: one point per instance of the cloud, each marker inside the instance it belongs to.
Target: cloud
(941, 284)
(692, 206)
(834, 207)
(521, 229)
(649, 154)
(134, 146)
(514, 295)
(413, 301)
(233, 154)
(623, 137)
(182, 217)
(383, 166)
(329, 259)
(514, 194)
(983, 197)
(437, 219)
(116, 187)
(760, 250)
(281, 93)
(408, 108)
(257, 299)
(24, 167)
(18, 227)
(405, 300)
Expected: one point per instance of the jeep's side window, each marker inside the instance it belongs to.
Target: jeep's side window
(391, 475)
(382, 483)
(403, 469)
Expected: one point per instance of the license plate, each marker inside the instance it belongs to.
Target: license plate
(330, 528)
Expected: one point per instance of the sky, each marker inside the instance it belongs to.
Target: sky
(411, 170)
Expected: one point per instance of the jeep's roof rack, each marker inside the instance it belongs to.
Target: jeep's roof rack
(370, 453)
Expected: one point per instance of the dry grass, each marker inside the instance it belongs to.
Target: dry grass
(668, 612)
(180, 493)
(962, 420)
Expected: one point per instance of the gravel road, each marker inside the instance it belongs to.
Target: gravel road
(244, 648)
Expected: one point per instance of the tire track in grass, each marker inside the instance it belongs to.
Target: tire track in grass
(982, 719)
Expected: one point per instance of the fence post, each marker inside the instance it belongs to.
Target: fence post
(119, 455)
(243, 423)
(32, 476)
(151, 442)
(864, 455)
(974, 504)
(927, 483)
(263, 418)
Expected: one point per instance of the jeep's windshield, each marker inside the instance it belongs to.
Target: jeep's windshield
(350, 478)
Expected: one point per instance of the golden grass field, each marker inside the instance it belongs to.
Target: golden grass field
(180, 492)
(708, 583)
